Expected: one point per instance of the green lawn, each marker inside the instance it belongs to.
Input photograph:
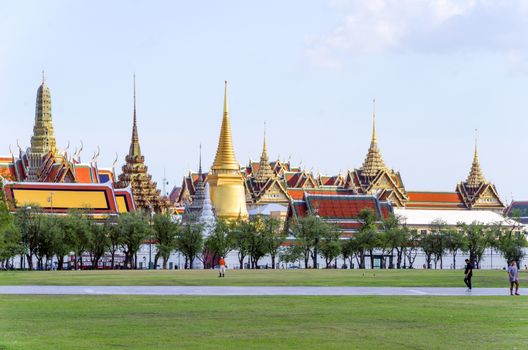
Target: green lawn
(395, 278)
(154, 322)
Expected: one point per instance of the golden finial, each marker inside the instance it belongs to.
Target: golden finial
(265, 150)
(226, 109)
(476, 137)
(374, 119)
(43, 77)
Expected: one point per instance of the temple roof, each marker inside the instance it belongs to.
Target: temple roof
(225, 159)
(438, 200)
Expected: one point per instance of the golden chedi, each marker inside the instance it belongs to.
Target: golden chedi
(226, 181)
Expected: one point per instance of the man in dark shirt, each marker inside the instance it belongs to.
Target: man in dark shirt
(468, 273)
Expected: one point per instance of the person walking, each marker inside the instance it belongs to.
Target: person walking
(221, 262)
(513, 274)
(468, 274)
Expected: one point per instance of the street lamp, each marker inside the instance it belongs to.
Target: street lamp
(50, 200)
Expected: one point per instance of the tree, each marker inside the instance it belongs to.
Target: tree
(256, 246)
(478, 239)
(190, 242)
(10, 237)
(29, 220)
(220, 242)
(115, 242)
(78, 226)
(274, 236)
(438, 233)
(241, 235)
(368, 235)
(292, 254)
(330, 246)
(394, 237)
(411, 249)
(133, 229)
(308, 232)
(98, 241)
(427, 245)
(510, 241)
(350, 249)
(45, 240)
(165, 235)
(455, 242)
(62, 240)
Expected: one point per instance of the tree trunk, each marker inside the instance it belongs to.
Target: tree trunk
(273, 260)
(314, 258)
(113, 259)
(454, 259)
(241, 261)
(371, 258)
(156, 258)
(29, 258)
(60, 262)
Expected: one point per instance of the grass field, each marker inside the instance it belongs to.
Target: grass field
(394, 278)
(147, 322)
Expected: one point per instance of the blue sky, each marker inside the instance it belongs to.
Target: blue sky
(309, 69)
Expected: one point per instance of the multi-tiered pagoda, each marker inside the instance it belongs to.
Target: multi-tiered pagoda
(135, 174)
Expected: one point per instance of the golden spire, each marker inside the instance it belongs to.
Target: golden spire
(43, 139)
(225, 160)
(475, 177)
(373, 161)
(135, 149)
(264, 172)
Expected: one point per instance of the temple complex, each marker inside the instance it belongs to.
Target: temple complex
(135, 174)
(225, 180)
(55, 181)
(278, 188)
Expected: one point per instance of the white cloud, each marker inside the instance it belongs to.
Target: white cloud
(424, 26)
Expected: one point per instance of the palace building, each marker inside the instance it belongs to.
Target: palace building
(55, 181)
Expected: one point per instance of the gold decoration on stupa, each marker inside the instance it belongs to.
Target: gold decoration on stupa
(135, 174)
(373, 161)
(264, 172)
(226, 180)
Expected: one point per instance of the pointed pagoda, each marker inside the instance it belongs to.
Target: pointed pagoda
(265, 172)
(476, 191)
(263, 185)
(373, 161)
(226, 180)
(374, 177)
(43, 138)
(199, 192)
(135, 174)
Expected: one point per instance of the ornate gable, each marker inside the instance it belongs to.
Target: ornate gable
(273, 192)
(476, 191)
